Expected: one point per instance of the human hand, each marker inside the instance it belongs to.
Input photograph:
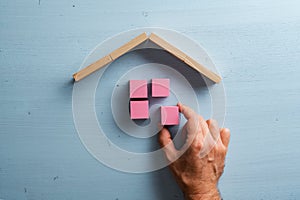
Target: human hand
(197, 174)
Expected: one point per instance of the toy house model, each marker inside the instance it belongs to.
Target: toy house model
(138, 91)
(139, 103)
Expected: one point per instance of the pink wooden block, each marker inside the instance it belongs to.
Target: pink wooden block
(169, 115)
(139, 109)
(160, 87)
(138, 89)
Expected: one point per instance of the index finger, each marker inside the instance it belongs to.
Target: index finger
(186, 111)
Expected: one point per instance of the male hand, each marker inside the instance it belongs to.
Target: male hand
(196, 173)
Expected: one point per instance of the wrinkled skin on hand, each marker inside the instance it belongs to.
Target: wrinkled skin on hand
(198, 170)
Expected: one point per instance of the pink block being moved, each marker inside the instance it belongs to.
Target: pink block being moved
(169, 115)
(139, 109)
(138, 89)
(160, 87)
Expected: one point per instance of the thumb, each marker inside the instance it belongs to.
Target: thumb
(165, 141)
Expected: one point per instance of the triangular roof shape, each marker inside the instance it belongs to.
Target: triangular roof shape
(137, 41)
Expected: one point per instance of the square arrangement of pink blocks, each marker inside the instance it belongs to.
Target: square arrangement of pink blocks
(160, 87)
(139, 109)
(138, 89)
(169, 115)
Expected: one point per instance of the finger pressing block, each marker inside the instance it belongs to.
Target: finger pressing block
(169, 115)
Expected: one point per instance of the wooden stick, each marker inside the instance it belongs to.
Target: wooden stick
(110, 57)
(185, 58)
(128, 46)
(203, 70)
(92, 68)
(167, 46)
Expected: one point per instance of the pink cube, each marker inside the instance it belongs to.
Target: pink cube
(169, 115)
(160, 87)
(139, 109)
(138, 89)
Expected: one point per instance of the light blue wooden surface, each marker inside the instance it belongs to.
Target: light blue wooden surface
(254, 44)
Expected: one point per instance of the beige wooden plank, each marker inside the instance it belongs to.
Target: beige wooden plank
(182, 56)
(128, 46)
(92, 68)
(167, 46)
(203, 70)
(109, 58)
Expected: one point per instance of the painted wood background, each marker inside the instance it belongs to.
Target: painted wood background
(254, 44)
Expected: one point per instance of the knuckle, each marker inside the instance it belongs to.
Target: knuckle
(201, 119)
(220, 148)
(197, 145)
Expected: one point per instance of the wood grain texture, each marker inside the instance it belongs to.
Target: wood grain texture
(185, 58)
(92, 68)
(109, 58)
(167, 46)
(128, 46)
(255, 45)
